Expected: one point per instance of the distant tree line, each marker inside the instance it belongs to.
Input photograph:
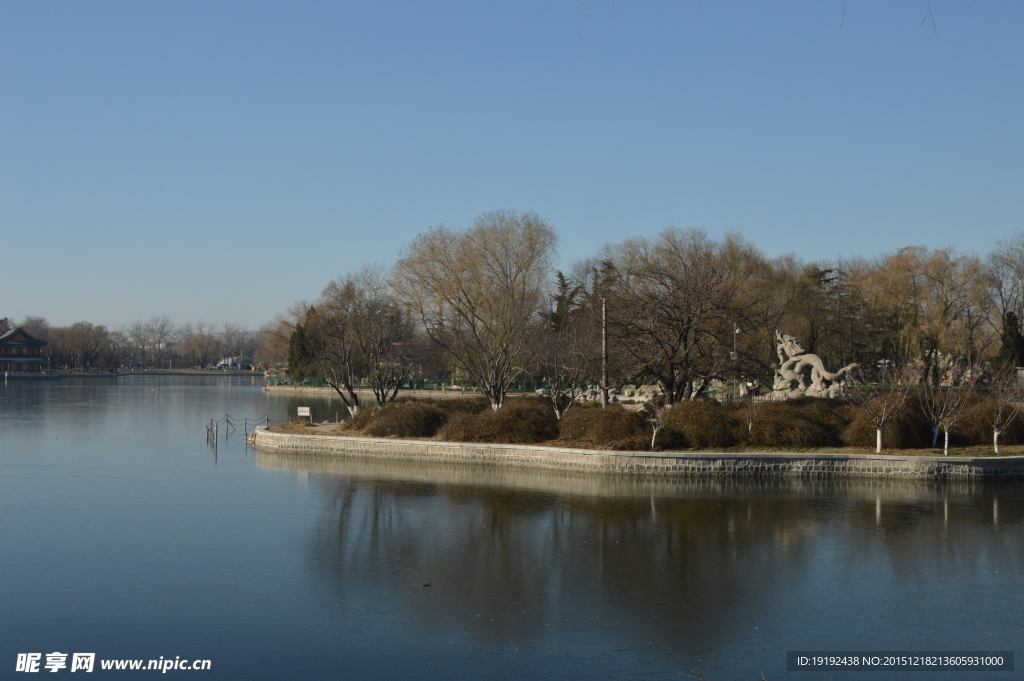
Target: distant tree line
(484, 307)
(154, 344)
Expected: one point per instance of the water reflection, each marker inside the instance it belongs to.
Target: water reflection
(682, 564)
(323, 407)
(120, 535)
(113, 399)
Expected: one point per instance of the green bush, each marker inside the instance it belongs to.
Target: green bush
(406, 419)
(701, 424)
(613, 427)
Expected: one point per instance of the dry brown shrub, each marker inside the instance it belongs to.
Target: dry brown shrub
(613, 427)
(461, 405)
(701, 424)
(406, 419)
(458, 428)
(804, 423)
(412, 416)
(831, 414)
(362, 419)
(521, 420)
(975, 426)
(295, 426)
(908, 430)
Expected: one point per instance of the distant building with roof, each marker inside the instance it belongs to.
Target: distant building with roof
(21, 355)
(241, 362)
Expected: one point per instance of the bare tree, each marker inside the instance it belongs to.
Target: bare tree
(881, 403)
(59, 349)
(677, 301)
(199, 344)
(271, 341)
(160, 334)
(1007, 395)
(592, 282)
(91, 342)
(943, 408)
(328, 343)
(479, 293)
(37, 327)
(236, 341)
(385, 336)
(567, 342)
(657, 418)
(79, 346)
(1005, 276)
(138, 334)
(926, 308)
(751, 409)
(355, 330)
(116, 349)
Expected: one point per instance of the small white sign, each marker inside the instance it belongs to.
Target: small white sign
(304, 411)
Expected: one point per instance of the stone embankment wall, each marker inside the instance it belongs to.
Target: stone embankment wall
(639, 463)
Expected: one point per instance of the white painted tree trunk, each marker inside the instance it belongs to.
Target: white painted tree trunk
(945, 447)
(878, 440)
(996, 432)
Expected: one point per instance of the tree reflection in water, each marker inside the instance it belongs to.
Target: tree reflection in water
(683, 564)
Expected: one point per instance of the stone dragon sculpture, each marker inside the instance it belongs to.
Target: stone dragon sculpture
(802, 374)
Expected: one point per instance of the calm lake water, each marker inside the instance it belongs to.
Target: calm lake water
(123, 533)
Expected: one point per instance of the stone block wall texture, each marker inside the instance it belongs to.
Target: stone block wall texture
(679, 464)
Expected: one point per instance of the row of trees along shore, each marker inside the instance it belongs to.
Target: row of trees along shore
(485, 307)
(154, 344)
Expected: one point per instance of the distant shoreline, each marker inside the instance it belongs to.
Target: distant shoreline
(302, 389)
(157, 372)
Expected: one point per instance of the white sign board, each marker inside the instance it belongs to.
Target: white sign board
(304, 411)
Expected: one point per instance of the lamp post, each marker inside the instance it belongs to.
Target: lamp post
(883, 363)
(735, 355)
(604, 354)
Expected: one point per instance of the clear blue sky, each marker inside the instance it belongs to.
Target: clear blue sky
(220, 161)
